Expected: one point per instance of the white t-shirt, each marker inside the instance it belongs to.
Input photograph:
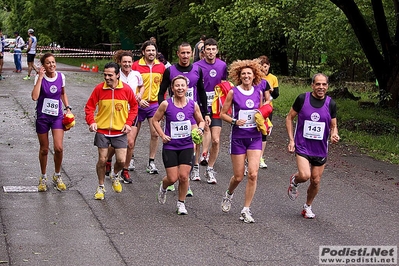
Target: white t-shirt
(133, 79)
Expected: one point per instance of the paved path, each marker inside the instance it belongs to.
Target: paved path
(357, 204)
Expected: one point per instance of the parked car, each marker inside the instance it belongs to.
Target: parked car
(10, 43)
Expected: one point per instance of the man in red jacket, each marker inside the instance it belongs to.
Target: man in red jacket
(112, 99)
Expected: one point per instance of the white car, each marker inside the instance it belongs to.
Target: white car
(10, 43)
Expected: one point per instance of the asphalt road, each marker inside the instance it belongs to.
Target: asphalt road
(357, 203)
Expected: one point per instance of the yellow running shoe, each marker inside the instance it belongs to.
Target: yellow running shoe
(42, 187)
(116, 185)
(58, 184)
(100, 193)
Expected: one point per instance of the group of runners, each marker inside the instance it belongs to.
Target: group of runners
(178, 100)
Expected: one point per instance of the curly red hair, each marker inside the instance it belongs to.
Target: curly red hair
(237, 66)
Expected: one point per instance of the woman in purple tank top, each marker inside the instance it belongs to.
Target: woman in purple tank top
(49, 92)
(245, 139)
(182, 115)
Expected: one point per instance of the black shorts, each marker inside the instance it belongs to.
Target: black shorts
(172, 158)
(313, 160)
(31, 57)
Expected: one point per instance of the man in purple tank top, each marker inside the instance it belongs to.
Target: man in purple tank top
(317, 120)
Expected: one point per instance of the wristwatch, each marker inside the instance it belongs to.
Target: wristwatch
(202, 129)
(233, 122)
(68, 107)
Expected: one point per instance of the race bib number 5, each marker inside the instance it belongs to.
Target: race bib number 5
(249, 116)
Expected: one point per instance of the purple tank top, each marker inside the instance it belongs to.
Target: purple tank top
(178, 123)
(244, 107)
(313, 128)
(192, 76)
(49, 101)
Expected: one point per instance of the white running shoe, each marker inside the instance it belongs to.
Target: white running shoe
(152, 169)
(226, 202)
(210, 176)
(307, 212)
(204, 159)
(161, 195)
(181, 208)
(195, 174)
(131, 167)
(262, 163)
(293, 189)
(246, 216)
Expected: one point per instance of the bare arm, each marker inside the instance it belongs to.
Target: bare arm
(290, 129)
(159, 114)
(334, 137)
(38, 85)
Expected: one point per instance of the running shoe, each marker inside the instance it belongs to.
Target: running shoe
(26, 78)
(58, 184)
(100, 193)
(126, 177)
(204, 158)
(293, 189)
(262, 163)
(161, 195)
(152, 169)
(226, 202)
(116, 184)
(210, 176)
(1, 77)
(108, 168)
(42, 187)
(189, 193)
(307, 212)
(195, 174)
(171, 188)
(246, 216)
(181, 208)
(131, 167)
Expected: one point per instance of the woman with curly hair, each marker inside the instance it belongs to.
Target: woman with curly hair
(245, 139)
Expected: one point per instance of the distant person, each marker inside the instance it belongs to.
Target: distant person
(135, 82)
(109, 116)
(19, 44)
(273, 92)
(317, 120)
(49, 92)
(2, 46)
(182, 115)
(31, 53)
(199, 48)
(214, 71)
(151, 70)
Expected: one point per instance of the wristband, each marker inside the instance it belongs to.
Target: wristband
(202, 129)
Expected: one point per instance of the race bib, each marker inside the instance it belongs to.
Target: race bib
(180, 129)
(190, 93)
(50, 107)
(249, 116)
(209, 97)
(313, 130)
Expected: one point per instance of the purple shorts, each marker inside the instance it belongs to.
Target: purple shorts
(240, 146)
(147, 112)
(47, 122)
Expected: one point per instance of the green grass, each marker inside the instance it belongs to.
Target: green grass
(374, 130)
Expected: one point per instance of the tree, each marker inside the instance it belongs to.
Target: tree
(382, 51)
